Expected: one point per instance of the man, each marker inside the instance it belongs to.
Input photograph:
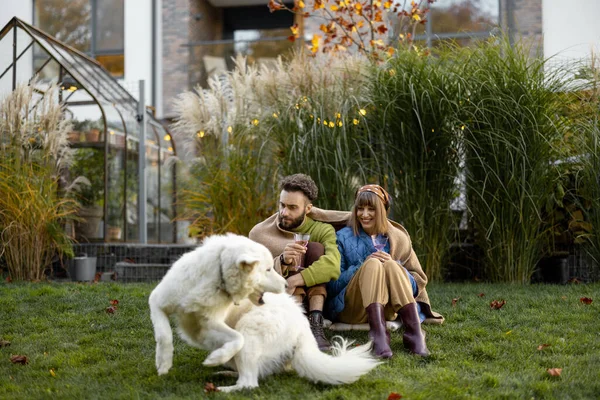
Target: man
(321, 258)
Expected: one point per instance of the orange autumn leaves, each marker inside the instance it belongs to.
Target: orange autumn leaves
(359, 24)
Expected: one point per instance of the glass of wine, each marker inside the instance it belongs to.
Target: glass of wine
(302, 239)
(379, 241)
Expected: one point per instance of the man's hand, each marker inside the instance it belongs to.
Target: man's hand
(293, 282)
(293, 253)
(381, 256)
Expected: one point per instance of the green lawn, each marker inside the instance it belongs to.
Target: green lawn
(76, 350)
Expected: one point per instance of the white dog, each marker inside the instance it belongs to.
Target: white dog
(199, 289)
(278, 334)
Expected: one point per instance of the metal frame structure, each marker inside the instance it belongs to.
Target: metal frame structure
(86, 83)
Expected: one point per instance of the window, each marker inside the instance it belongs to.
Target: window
(461, 21)
(94, 27)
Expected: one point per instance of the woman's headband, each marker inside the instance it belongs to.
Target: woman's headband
(378, 191)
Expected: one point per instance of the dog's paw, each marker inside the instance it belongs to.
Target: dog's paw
(217, 357)
(163, 368)
(229, 389)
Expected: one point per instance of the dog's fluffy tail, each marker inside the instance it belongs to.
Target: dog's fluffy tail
(346, 365)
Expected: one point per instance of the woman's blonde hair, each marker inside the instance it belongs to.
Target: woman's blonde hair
(369, 199)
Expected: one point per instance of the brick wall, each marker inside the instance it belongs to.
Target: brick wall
(175, 57)
(185, 21)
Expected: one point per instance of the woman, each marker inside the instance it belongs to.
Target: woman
(375, 286)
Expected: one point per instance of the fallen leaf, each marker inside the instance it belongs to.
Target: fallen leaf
(454, 301)
(574, 280)
(508, 332)
(543, 346)
(4, 343)
(19, 360)
(52, 372)
(8, 279)
(394, 396)
(111, 310)
(210, 387)
(554, 371)
(586, 300)
(497, 304)
(114, 302)
(564, 297)
(481, 295)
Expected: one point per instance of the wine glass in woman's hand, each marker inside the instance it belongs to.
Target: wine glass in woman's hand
(379, 241)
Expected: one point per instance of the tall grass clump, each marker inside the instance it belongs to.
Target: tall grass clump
(231, 182)
(589, 158)
(34, 152)
(414, 138)
(318, 122)
(510, 119)
(252, 126)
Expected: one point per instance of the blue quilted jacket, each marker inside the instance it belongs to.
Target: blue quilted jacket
(353, 250)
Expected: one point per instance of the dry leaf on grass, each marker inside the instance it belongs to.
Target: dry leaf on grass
(554, 371)
(543, 346)
(19, 360)
(481, 294)
(114, 302)
(52, 372)
(497, 304)
(8, 279)
(394, 396)
(454, 301)
(4, 343)
(586, 300)
(111, 310)
(210, 387)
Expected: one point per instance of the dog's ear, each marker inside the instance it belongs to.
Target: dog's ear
(247, 262)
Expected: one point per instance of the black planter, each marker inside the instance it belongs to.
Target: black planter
(553, 269)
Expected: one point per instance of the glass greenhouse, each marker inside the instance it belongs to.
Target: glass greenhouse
(109, 129)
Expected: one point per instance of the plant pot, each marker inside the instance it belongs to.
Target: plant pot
(83, 269)
(87, 228)
(93, 135)
(555, 269)
(114, 233)
(76, 137)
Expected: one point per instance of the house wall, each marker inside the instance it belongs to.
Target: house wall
(571, 29)
(138, 46)
(24, 11)
(184, 21)
(175, 57)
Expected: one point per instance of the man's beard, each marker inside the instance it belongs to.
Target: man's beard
(291, 224)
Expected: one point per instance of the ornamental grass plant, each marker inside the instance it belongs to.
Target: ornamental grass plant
(34, 152)
(510, 119)
(415, 140)
(320, 125)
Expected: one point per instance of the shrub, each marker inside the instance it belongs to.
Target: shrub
(33, 153)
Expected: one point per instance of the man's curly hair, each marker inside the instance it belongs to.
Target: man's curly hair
(300, 183)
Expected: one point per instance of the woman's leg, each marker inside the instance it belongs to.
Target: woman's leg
(365, 296)
(403, 302)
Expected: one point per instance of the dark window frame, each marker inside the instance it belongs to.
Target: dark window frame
(93, 52)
